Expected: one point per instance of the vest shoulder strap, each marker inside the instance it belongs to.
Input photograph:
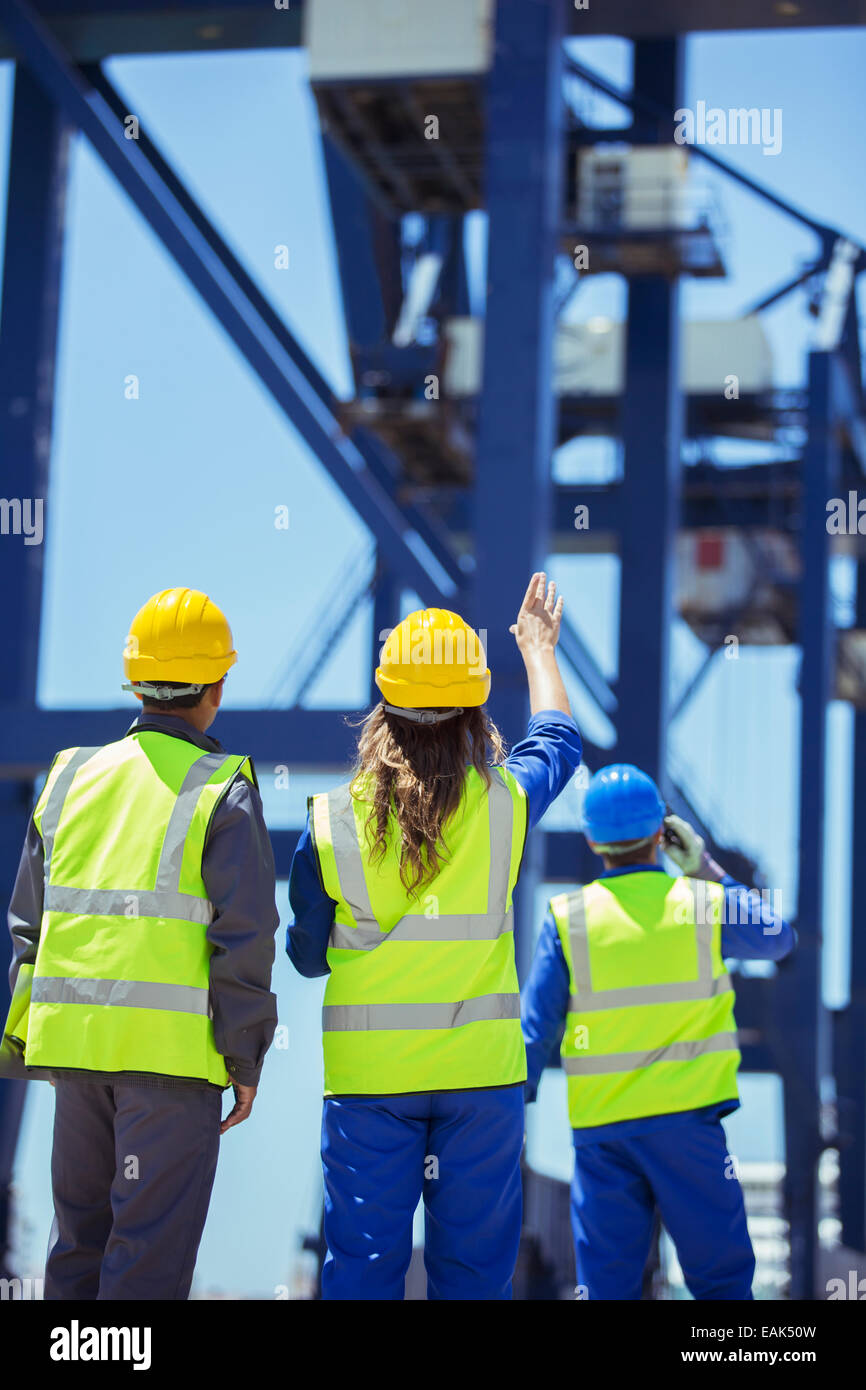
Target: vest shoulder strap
(61, 774)
(562, 903)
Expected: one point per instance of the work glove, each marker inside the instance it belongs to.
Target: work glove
(683, 845)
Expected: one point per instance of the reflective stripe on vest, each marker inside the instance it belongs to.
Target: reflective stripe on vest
(171, 858)
(127, 994)
(127, 902)
(56, 798)
(340, 1018)
(632, 1061)
(367, 935)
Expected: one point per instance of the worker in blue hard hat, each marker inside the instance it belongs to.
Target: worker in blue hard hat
(630, 975)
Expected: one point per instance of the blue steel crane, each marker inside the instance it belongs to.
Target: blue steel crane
(441, 478)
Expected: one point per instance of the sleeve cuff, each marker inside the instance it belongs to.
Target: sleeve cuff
(553, 716)
(241, 1075)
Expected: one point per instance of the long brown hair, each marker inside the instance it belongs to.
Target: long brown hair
(413, 774)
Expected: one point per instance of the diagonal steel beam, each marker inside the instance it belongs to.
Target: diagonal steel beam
(799, 279)
(94, 76)
(373, 451)
(585, 667)
(275, 368)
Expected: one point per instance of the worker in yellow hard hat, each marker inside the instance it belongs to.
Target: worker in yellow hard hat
(142, 924)
(401, 887)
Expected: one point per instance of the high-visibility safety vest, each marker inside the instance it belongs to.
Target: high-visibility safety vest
(121, 979)
(650, 1027)
(422, 994)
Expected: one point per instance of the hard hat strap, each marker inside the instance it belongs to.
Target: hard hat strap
(161, 692)
(422, 716)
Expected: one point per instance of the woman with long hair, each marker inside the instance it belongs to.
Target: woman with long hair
(401, 888)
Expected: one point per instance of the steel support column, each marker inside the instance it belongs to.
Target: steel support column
(516, 406)
(804, 1055)
(28, 333)
(651, 417)
(851, 1033)
(850, 1049)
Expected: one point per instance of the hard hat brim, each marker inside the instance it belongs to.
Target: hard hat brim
(196, 670)
(410, 695)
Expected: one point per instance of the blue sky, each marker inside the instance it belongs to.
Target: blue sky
(180, 486)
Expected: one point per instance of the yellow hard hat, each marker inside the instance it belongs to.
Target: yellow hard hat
(433, 659)
(179, 635)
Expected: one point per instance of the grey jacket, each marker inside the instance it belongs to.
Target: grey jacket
(238, 872)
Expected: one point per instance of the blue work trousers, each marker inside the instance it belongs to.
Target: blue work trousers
(686, 1172)
(460, 1150)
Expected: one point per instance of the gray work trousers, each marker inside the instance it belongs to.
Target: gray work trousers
(132, 1170)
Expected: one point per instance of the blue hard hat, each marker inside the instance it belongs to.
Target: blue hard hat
(621, 803)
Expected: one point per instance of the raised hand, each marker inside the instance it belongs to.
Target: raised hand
(538, 622)
(536, 633)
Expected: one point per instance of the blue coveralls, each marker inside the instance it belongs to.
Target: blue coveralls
(678, 1163)
(460, 1150)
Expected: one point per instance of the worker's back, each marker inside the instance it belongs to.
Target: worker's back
(121, 978)
(409, 969)
(650, 1027)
